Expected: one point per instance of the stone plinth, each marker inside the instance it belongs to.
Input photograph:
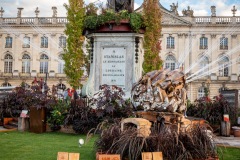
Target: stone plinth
(23, 123)
(143, 126)
(114, 61)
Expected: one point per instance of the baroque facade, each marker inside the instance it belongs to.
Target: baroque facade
(205, 47)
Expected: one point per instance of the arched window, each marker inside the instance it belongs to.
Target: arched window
(224, 43)
(203, 65)
(201, 92)
(60, 64)
(170, 42)
(8, 42)
(44, 42)
(62, 42)
(26, 63)
(170, 62)
(8, 62)
(44, 63)
(223, 66)
(203, 43)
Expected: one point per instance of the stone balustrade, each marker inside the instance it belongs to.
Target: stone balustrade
(205, 20)
(33, 20)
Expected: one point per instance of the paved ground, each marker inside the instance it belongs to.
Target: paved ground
(228, 141)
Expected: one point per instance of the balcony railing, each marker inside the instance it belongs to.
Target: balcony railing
(207, 20)
(34, 20)
(224, 47)
(170, 46)
(203, 47)
(8, 45)
(25, 46)
(219, 20)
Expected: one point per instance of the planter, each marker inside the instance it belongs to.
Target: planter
(236, 133)
(67, 129)
(101, 156)
(55, 128)
(112, 27)
(37, 120)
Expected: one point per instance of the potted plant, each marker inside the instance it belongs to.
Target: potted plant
(57, 115)
(110, 21)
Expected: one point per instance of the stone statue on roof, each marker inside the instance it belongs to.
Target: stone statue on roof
(174, 9)
(119, 5)
(188, 12)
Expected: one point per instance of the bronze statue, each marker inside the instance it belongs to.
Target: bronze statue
(119, 5)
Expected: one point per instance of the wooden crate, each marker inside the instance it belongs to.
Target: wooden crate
(100, 156)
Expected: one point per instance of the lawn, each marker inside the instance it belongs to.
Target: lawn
(30, 146)
(229, 153)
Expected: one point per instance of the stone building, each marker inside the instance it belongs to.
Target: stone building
(205, 47)
(32, 47)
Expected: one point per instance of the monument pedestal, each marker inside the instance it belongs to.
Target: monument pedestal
(116, 59)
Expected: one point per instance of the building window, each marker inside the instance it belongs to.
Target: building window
(60, 64)
(44, 42)
(26, 42)
(203, 43)
(223, 66)
(26, 63)
(8, 62)
(224, 43)
(170, 42)
(62, 42)
(8, 42)
(203, 66)
(170, 62)
(44, 63)
(201, 92)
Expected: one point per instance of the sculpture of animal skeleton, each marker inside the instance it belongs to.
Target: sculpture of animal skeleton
(161, 90)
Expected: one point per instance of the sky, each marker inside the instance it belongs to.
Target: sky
(200, 7)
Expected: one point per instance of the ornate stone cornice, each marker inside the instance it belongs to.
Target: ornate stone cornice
(180, 35)
(213, 35)
(234, 36)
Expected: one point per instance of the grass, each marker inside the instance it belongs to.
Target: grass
(30, 146)
(229, 153)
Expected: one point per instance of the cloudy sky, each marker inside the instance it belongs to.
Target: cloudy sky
(201, 8)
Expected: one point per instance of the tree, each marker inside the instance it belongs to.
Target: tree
(74, 56)
(152, 21)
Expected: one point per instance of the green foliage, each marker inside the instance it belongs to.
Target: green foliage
(94, 21)
(91, 9)
(81, 116)
(211, 110)
(74, 56)
(194, 144)
(110, 104)
(22, 99)
(152, 22)
(57, 114)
